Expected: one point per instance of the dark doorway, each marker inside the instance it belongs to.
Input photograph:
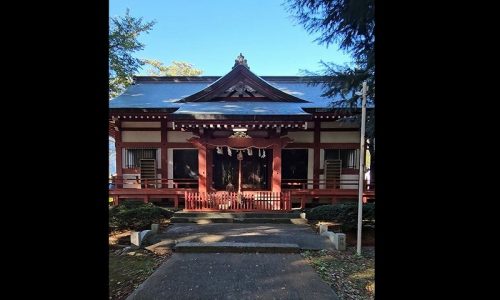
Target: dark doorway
(294, 167)
(185, 167)
(255, 170)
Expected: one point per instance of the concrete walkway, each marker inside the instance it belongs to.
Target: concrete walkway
(222, 275)
(234, 276)
(301, 235)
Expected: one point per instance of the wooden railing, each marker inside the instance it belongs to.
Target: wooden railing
(305, 184)
(245, 201)
(137, 183)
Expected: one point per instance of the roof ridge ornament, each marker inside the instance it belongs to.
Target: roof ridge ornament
(240, 60)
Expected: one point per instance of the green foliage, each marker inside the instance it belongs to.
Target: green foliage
(177, 68)
(350, 23)
(345, 213)
(123, 42)
(136, 215)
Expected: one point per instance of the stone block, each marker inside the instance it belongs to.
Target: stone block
(135, 239)
(340, 241)
(323, 228)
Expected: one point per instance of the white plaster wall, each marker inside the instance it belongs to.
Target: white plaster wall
(340, 137)
(158, 158)
(178, 136)
(126, 124)
(322, 166)
(321, 158)
(159, 185)
(322, 177)
(301, 137)
(352, 180)
(141, 136)
(310, 166)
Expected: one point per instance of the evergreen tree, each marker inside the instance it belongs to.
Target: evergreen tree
(350, 24)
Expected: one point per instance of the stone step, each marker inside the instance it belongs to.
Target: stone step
(208, 220)
(237, 247)
(205, 220)
(236, 215)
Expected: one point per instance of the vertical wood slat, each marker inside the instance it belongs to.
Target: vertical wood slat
(258, 200)
(264, 199)
(193, 206)
(269, 200)
(277, 201)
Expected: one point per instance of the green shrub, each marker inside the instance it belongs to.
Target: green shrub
(344, 213)
(135, 215)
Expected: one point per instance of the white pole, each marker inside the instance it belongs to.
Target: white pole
(361, 169)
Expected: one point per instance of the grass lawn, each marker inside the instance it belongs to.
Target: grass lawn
(350, 276)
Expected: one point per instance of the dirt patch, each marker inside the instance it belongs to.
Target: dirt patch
(367, 237)
(128, 270)
(119, 238)
(350, 276)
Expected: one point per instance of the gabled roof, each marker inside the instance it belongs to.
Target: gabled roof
(240, 84)
(240, 92)
(166, 91)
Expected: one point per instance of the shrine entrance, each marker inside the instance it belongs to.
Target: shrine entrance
(254, 170)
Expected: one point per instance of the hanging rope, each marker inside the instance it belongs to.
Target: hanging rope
(261, 154)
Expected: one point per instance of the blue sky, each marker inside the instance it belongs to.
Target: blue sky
(211, 33)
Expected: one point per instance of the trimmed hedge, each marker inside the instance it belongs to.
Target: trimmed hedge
(344, 213)
(136, 215)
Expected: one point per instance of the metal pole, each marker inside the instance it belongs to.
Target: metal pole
(361, 169)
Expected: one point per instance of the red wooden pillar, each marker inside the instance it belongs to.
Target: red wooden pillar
(276, 178)
(202, 169)
(118, 149)
(316, 164)
(164, 153)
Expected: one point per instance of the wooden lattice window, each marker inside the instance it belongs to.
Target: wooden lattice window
(132, 157)
(349, 157)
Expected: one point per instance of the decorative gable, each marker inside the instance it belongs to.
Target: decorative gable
(240, 90)
(240, 84)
